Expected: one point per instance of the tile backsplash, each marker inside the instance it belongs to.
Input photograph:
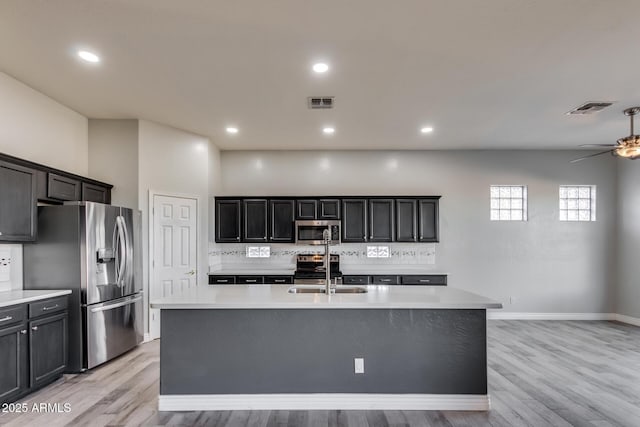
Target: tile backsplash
(352, 254)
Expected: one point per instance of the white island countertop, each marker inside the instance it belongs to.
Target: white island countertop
(8, 298)
(278, 297)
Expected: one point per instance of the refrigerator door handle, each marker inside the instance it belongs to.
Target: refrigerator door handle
(128, 252)
(121, 263)
(116, 305)
(116, 250)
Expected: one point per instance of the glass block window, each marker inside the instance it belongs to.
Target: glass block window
(508, 203)
(577, 203)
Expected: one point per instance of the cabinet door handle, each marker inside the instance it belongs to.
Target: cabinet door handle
(424, 280)
(251, 280)
(4, 319)
(222, 281)
(23, 332)
(279, 280)
(385, 280)
(50, 308)
(34, 328)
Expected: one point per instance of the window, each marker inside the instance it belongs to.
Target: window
(577, 203)
(508, 203)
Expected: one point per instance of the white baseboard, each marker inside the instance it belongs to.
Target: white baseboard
(323, 401)
(501, 315)
(548, 316)
(627, 319)
(146, 337)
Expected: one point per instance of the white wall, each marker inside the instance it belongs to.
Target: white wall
(546, 265)
(172, 161)
(37, 128)
(628, 289)
(113, 158)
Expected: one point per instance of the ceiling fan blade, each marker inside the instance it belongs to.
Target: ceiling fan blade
(590, 155)
(598, 145)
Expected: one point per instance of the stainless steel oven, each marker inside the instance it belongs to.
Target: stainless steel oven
(309, 232)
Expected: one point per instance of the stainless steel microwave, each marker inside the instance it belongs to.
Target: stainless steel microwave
(309, 232)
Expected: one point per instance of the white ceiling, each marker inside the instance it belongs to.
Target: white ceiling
(484, 74)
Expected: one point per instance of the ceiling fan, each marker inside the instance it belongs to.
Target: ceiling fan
(627, 147)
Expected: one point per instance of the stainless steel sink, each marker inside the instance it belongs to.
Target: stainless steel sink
(318, 290)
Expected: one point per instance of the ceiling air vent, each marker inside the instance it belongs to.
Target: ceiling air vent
(590, 108)
(320, 102)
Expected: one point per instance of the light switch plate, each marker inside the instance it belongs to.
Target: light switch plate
(5, 265)
(358, 365)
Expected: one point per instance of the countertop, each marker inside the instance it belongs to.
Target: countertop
(240, 271)
(277, 296)
(8, 298)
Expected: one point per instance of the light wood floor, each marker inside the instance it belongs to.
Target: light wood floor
(557, 373)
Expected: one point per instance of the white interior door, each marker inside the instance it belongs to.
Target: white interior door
(174, 263)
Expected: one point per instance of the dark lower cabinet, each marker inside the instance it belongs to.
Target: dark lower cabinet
(18, 217)
(392, 279)
(48, 349)
(33, 348)
(228, 220)
(428, 227)
(381, 220)
(251, 279)
(281, 213)
(14, 356)
(354, 220)
(406, 223)
(254, 227)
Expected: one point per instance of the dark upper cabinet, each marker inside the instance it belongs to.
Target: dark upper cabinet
(95, 193)
(306, 209)
(381, 221)
(281, 214)
(354, 220)
(255, 222)
(228, 220)
(62, 187)
(48, 348)
(428, 227)
(406, 220)
(18, 215)
(329, 209)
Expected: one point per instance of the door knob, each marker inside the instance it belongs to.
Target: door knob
(34, 328)
(190, 273)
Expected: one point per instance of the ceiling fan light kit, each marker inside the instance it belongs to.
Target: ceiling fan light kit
(627, 147)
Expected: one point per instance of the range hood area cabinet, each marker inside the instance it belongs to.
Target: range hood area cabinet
(363, 219)
(320, 209)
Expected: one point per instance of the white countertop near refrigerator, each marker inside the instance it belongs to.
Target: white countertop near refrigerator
(14, 297)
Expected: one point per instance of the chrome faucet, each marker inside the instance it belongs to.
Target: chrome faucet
(326, 236)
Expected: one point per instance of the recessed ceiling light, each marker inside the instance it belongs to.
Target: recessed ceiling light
(320, 67)
(88, 56)
(328, 130)
(232, 129)
(427, 129)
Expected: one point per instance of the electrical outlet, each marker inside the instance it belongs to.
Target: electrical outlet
(5, 266)
(358, 365)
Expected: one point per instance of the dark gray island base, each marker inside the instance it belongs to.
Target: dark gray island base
(414, 358)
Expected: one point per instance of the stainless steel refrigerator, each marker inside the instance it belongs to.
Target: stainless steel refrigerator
(94, 250)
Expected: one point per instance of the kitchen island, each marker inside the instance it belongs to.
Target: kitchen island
(261, 347)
